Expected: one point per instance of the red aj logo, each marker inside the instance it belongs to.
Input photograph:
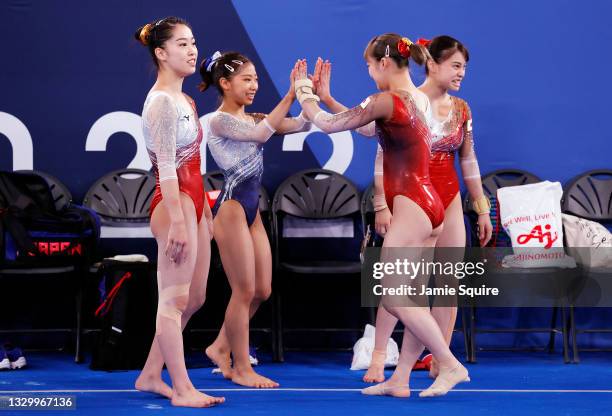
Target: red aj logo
(542, 237)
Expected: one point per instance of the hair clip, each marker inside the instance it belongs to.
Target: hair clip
(403, 47)
(424, 42)
(211, 61)
(237, 62)
(159, 21)
(229, 68)
(387, 51)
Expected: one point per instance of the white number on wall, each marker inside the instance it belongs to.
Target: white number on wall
(119, 122)
(342, 151)
(20, 139)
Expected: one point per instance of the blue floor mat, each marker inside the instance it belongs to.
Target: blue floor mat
(321, 384)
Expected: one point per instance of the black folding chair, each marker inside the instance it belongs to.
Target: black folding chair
(313, 194)
(490, 184)
(589, 196)
(122, 199)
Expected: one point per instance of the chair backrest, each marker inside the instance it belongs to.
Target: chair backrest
(213, 181)
(122, 196)
(492, 181)
(367, 206)
(589, 195)
(60, 193)
(316, 193)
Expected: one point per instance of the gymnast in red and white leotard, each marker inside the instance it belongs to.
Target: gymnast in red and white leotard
(398, 113)
(173, 135)
(179, 160)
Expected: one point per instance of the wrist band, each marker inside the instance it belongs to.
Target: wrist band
(303, 90)
(379, 202)
(482, 205)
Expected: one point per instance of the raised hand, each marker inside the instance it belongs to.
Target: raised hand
(292, 77)
(324, 81)
(302, 69)
(316, 77)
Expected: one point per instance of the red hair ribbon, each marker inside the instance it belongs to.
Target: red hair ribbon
(424, 42)
(403, 47)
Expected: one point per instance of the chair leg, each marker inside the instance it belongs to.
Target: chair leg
(572, 322)
(566, 359)
(79, 321)
(372, 312)
(278, 350)
(472, 334)
(466, 335)
(553, 326)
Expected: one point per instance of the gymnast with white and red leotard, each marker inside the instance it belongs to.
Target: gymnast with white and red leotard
(181, 221)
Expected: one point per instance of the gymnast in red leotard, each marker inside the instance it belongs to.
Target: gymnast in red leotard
(398, 116)
(450, 122)
(173, 135)
(405, 141)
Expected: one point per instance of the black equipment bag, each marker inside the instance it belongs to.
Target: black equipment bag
(34, 233)
(127, 313)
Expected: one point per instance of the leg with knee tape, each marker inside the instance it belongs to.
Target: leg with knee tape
(171, 305)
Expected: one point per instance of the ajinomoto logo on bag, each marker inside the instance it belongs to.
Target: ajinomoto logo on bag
(543, 237)
(531, 215)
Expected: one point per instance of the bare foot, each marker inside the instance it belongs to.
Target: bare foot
(375, 374)
(387, 389)
(221, 360)
(376, 371)
(153, 385)
(194, 398)
(250, 378)
(446, 380)
(434, 369)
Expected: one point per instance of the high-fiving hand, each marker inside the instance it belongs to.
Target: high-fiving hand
(321, 79)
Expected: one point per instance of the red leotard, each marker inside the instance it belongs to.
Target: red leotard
(444, 148)
(405, 142)
(188, 173)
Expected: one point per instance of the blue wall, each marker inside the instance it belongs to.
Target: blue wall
(537, 81)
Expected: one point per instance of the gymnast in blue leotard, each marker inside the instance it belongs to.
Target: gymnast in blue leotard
(236, 139)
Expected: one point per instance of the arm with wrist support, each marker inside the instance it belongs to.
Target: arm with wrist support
(375, 107)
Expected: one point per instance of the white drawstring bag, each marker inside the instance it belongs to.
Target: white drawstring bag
(531, 216)
(362, 350)
(589, 242)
